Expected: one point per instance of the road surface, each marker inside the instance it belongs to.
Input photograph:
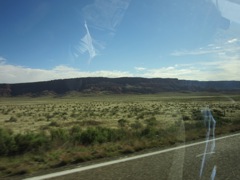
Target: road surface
(181, 162)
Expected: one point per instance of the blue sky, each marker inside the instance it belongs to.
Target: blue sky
(189, 39)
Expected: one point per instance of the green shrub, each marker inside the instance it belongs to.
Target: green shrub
(95, 135)
(88, 136)
(30, 142)
(197, 115)
(150, 132)
(186, 118)
(236, 122)
(12, 119)
(54, 123)
(194, 125)
(75, 133)
(98, 135)
(59, 134)
(122, 123)
(136, 125)
(12, 144)
(7, 142)
(218, 113)
(151, 121)
(220, 118)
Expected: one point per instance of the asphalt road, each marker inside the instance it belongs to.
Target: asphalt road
(189, 161)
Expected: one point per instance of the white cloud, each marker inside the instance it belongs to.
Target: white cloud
(2, 60)
(173, 72)
(18, 74)
(13, 74)
(226, 68)
(139, 68)
(232, 40)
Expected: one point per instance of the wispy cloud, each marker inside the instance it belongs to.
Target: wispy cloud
(229, 46)
(196, 52)
(104, 16)
(204, 51)
(86, 45)
(225, 67)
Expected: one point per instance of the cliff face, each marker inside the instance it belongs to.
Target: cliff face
(116, 85)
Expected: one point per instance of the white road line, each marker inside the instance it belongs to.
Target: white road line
(79, 169)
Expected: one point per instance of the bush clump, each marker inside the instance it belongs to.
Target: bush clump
(13, 144)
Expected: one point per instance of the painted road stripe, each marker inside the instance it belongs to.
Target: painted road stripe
(79, 169)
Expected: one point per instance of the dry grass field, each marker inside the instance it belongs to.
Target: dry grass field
(48, 132)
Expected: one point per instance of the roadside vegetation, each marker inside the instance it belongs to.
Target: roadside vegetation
(47, 132)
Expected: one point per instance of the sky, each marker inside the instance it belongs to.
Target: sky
(189, 39)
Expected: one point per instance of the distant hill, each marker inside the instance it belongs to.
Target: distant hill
(117, 86)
